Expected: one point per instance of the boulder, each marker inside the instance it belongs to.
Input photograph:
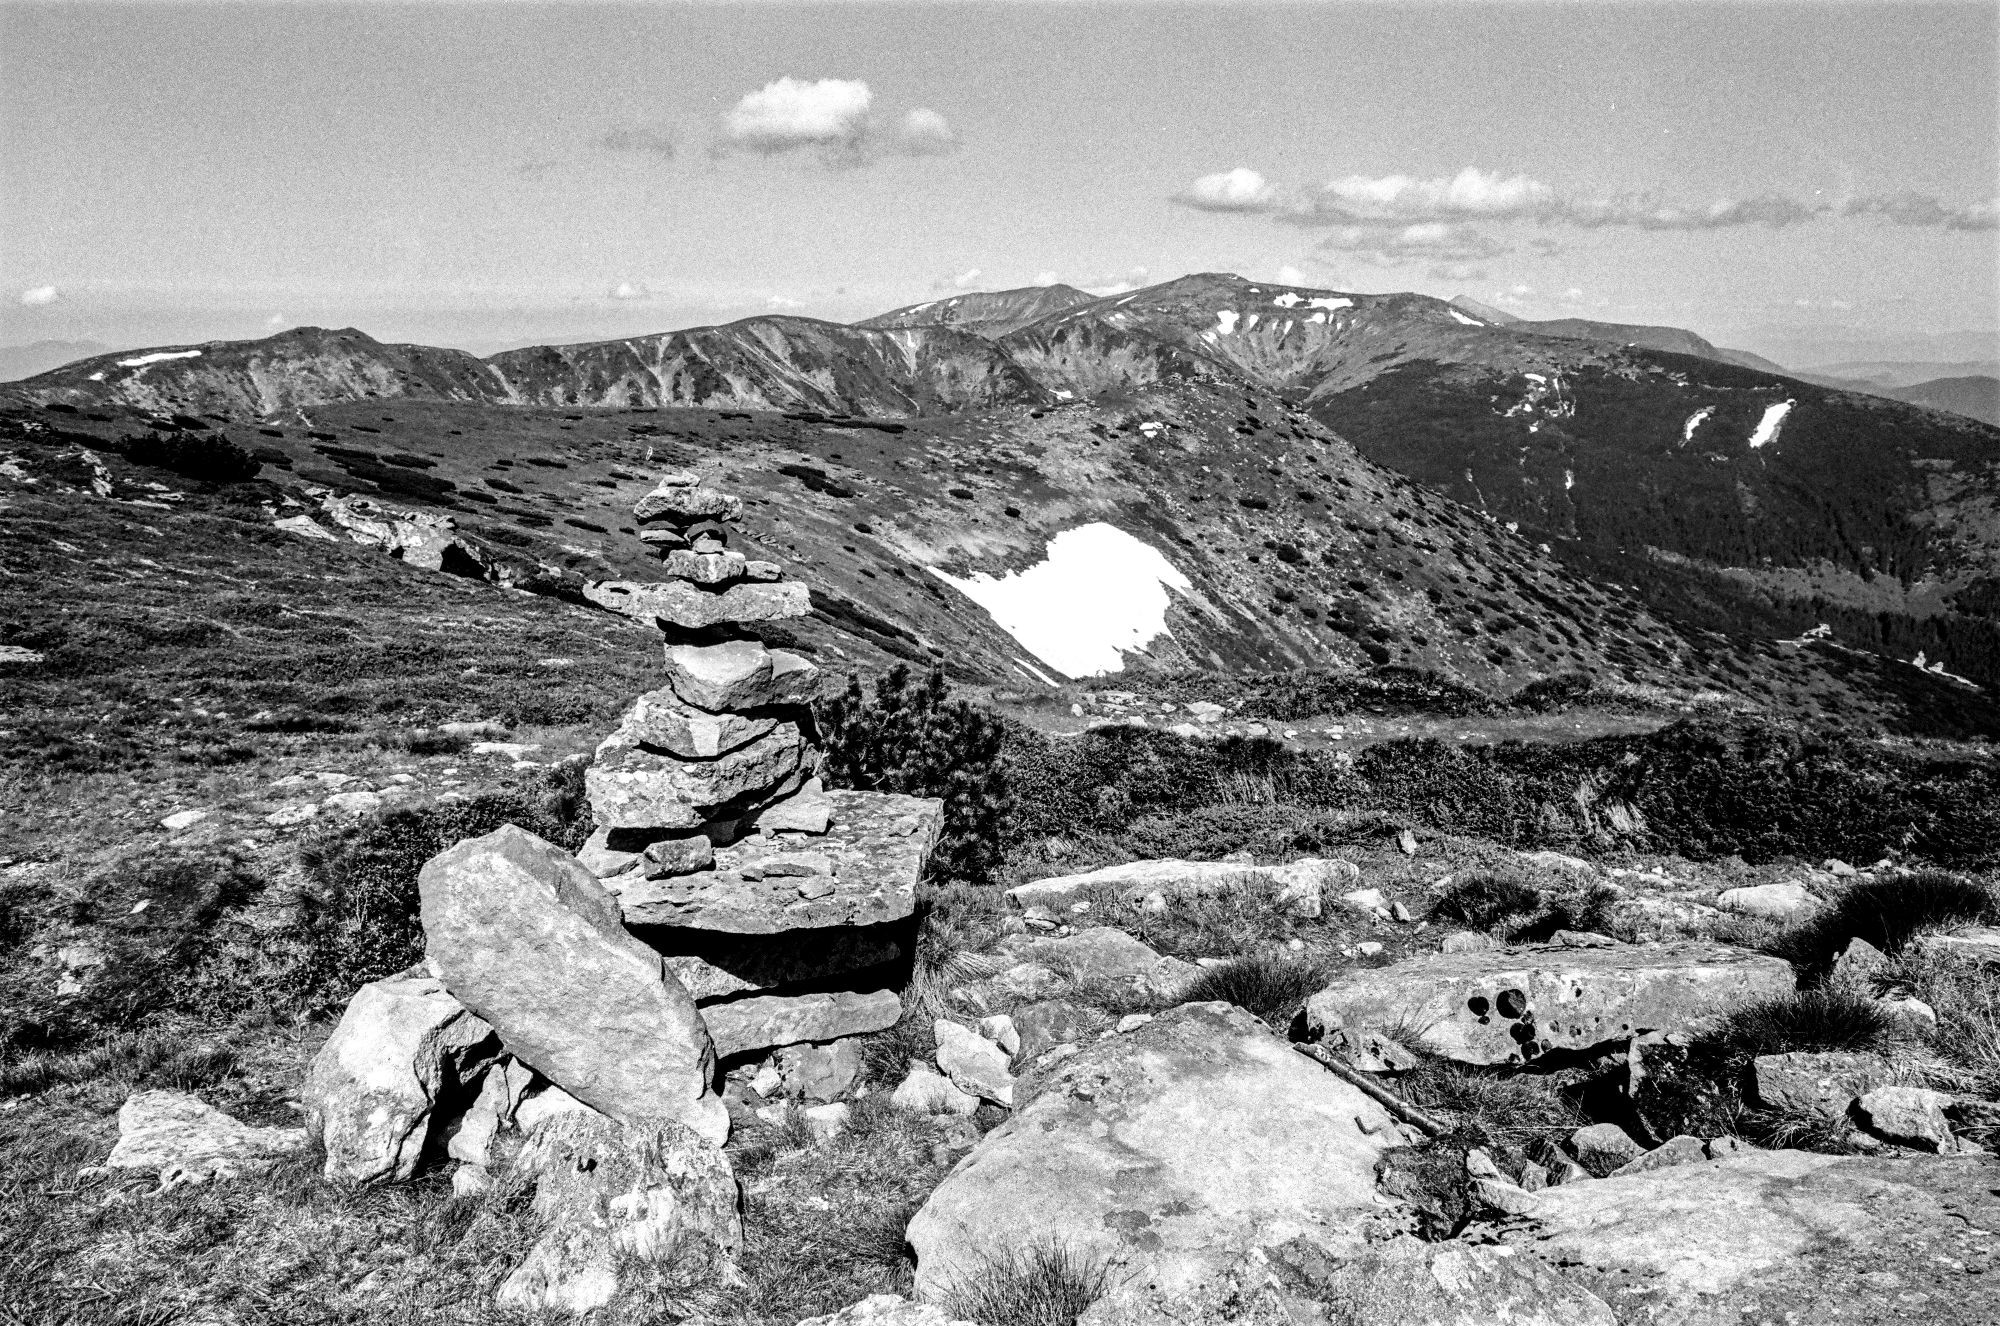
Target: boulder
(1773, 902)
(677, 603)
(1301, 885)
(1822, 1084)
(1101, 957)
(492, 1112)
(821, 1073)
(1780, 1236)
(877, 846)
(662, 719)
(1975, 943)
(181, 1139)
(610, 853)
(808, 810)
(1166, 1155)
(705, 568)
(684, 504)
(1908, 1116)
(738, 675)
(632, 786)
(1048, 1023)
(402, 1043)
(974, 1064)
(888, 1310)
(1602, 1148)
(1857, 966)
(1511, 1005)
(524, 935)
(1681, 1150)
(925, 1091)
(611, 1194)
(760, 1022)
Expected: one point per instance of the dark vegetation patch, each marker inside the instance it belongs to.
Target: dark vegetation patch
(817, 480)
(1887, 911)
(209, 457)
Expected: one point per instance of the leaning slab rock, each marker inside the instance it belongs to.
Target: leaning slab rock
(1511, 1005)
(526, 937)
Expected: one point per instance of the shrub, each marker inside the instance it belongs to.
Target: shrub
(1887, 911)
(206, 456)
(1268, 988)
(917, 740)
(1483, 901)
(1810, 1020)
(1046, 1285)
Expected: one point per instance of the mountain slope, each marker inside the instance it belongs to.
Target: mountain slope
(1974, 397)
(985, 313)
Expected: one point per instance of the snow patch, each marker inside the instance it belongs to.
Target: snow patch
(158, 357)
(1317, 318)
(1768, 426)
(1470, 322)
(1694, 421)
(1225, 320)
(1330, 302)
(1569, 480)
(97, 376)
(1535, 377)
(1289, 299)
(1098, 592)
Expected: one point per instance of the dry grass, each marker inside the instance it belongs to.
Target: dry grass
(1048, 1284)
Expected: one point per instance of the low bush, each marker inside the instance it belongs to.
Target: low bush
(205, 456)
(1887, 911)
(1048, 1284)
(920, 741)
(1482, 901)
(1522, 913)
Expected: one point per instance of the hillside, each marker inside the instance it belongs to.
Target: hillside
(985, 313)
(1974, 397)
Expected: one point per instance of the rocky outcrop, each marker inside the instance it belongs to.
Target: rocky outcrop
(521, 932)
(401, 1046)
(181, 1139)
(1508, 1006)
(1166, 1154)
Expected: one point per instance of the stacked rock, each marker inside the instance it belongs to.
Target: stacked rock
(776, 901)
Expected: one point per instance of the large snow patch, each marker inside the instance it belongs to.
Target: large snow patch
(1768, 426)
(158, 357)
(1097, 593)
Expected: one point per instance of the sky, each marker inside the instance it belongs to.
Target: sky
(1815, 183)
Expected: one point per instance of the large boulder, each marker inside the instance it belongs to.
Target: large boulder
(1166, 1155)
(1781, 1236)
(182, 1139)
(529, 940)
(612, 1195)
(1816, 1083)
(873, 853)
(1511, 1005)
(1301, 883)
(403, 1043)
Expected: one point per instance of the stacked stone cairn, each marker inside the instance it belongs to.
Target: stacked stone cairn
(588, 1022)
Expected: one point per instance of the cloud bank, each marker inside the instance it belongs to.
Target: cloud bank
(40, 296)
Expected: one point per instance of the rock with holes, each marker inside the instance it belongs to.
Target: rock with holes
(527, 938)
(611, 1195)
(1166, 1156)
(677, 603)
(1511, 1005)
(181, 1139)
(402, 1043)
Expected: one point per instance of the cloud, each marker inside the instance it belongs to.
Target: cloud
(630, 290)
(1644, 211)
(924, 133)
(276, 320)
(1238, 190)
(833, 116)
(662, 143)
(40, 296)
(1044, 278)
(1922, 210)
(783, 303)
(1290, 275)
(1116, 285)
(1472, 194)
(1458, 271)
(965, 280)
(1426, 241)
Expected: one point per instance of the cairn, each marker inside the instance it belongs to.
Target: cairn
(575, 1015)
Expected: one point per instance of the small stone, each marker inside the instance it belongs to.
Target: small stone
(705, 568)
(1821, 1084)
(1467, 941)
(659, 536)
(677, 856)
(887, 1310)
(1001, 1031)
(183, 819)
(1718, 1147)
(1368, 948)
(663, 719)
(1133, 1021)
(1857, 967)
(1397, 911)
(181, 1139)
(1602, 1148)
(1681, 1150)
(818, 1072)
(1479, 1164)
(926, 1091)
(1913, 1017)
(471, 1181)
(1407, 843)
(1776, 902)
(973, 1063)
(1369, 901)
(818, 886)
(1582, 939)
(1909, 1116)
(826, 1122)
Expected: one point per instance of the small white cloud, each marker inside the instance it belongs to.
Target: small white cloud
(1117, 285)
(40, 296)
(1471, 194)
(1919, 209)
(1573, 295)
(792, 113)
(1044, 278)
(965, 280)
(924, 133)
(1514, 296)
(783, 303)
(1238, 190)
(1290, 275)
(276, 320)
(630, 290)
(1423, 241)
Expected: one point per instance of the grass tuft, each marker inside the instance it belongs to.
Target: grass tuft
(1809, 1020)
(1270, 988)
(1049, 1284)
(1888, 912)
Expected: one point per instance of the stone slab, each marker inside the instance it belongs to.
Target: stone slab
(633, 786)
(715, 965)
(678, 603)
(739, 675)
(661, 718)
(877, 844)
(762, 1022)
